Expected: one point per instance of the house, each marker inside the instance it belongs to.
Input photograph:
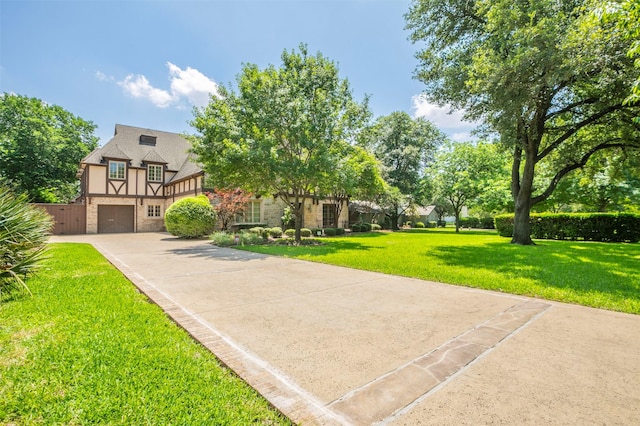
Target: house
(127, 185)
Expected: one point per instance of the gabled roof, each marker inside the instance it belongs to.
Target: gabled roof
(169, 148)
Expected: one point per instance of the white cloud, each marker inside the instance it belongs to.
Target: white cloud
(440, 116)
(192, 84)
(139, 87)
(103, 77)
(189, 84)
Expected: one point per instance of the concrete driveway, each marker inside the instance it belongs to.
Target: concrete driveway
(332, 345)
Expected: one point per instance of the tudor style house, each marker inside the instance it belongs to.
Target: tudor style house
(127, 185)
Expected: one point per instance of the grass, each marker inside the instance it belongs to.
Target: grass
(602, 275)
(87, 348)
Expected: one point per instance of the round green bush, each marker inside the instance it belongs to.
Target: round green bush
(365, 227)
(339, 231)
(190, 217)
(355, 228)
(330, 232)
(258, 230)
(290, 233)
(375, 227)
(305, 232)
(419, 225)
(275, 232)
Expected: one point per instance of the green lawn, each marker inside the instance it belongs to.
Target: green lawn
(87, 348)
(603, 275)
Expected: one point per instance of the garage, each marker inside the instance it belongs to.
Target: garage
(114, 219)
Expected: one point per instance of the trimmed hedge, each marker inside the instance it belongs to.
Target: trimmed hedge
(355, 227)
(607, 227)
(477, 222)
(419, 224)
(375, 227)
(304, 232)
(330, 232)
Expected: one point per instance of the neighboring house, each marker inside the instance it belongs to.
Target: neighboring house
(127, 185)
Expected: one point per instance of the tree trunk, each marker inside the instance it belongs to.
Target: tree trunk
(522, 189)
(298, 223)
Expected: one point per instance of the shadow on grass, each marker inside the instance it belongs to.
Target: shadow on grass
(582, 267)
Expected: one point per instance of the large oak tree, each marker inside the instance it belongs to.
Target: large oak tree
(287, 132)
(549, 76)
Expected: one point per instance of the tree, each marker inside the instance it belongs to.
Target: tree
(284, 133)
(41, 146)
(404, 146)
(228, 203)
(461, 173)
(546, 76)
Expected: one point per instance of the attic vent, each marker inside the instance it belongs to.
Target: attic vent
(147, 140)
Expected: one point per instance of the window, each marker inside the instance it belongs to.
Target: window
(154, 173)
(153, 211)
(251, 213)
(116, 169)
(329, 216)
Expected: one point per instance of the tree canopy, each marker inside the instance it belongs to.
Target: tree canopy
(287, 132)
(41, 146)
(549, 77)
(462, 173)
(404, 146)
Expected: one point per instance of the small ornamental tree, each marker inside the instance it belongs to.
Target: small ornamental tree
(190, 217)
(228, 203)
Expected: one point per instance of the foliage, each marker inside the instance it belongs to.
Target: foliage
(24, 230)
(293, 125)
(546, 76)
(90, 349)
(190, 217)
(275, 232)
(227, 203)
(227, 239)
(610, 227)
(355, 227)
(462, 173)
(304, 233)
(404, 146)
(603, 275)
(339, 231)
(41, 146)
(419, 224)
(330, 232)
(375, 227)
(477, 222)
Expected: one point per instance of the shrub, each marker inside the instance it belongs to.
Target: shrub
(441, 224)
(355, 228)
(275, 232)
(431, 224)
(486, 222)
(375, 227)
(190, 217)
(608, 227)
(23, 235)
(305, 232)
(409, 224)
(316, 232)
(330, 232)
(226, 239)
(419, 225)
(258, 230)
(290, 233)
(365, 227)
(339, 231)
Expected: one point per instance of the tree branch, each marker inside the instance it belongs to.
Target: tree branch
(569, 107)
(555, 144)
(578, 164)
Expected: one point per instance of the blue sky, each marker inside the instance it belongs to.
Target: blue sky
(148, 63)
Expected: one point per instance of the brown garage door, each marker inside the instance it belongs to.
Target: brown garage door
(112, 219)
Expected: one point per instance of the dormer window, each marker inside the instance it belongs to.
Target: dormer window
(116, 169)
(147, 140)
(154, 173)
